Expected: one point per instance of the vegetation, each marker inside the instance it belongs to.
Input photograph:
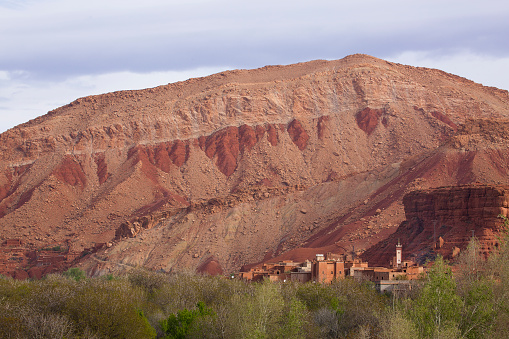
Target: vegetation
(472, 302)
(75, 273)
(180, 325)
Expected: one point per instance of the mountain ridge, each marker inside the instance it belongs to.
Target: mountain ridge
(79, 172)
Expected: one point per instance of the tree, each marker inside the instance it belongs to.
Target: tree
(75, 273)
(479, 310)
(109, 309)
(437, 310)
(180, 325)
(292, 322)
(498, 266)
(394, 325)
(476, 290)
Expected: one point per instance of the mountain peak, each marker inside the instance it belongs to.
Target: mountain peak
(226, 164)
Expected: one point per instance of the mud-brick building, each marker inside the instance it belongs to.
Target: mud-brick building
(333, 267)
(382, 273)
(401, 271)
(324, 269)
(281, 271)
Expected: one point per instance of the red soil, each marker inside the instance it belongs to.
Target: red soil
(146, 156)
(211, 267)
(225, 145)
(260, 132)
(4, 189)
(247, 137)
(102, 167)
(21, 170)
(179, 153)
(272, 134)
(367, 119)
(444, 119)
(162, 157)
(70, 172)
(298, 134)
(265, 182)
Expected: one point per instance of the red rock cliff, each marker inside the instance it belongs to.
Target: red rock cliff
(443, 220)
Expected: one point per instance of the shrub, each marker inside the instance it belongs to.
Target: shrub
(108, 308)
(180, 325)
(75, 273)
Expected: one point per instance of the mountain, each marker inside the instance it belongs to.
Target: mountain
(242, 166)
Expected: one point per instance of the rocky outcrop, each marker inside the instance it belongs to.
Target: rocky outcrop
(443, 220)
(150, 217)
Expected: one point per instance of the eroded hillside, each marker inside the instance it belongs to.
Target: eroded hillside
(252, 163)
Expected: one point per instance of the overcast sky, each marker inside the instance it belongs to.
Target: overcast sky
(54, 51)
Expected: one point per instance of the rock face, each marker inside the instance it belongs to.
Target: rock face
(210, 153)
(443, 220)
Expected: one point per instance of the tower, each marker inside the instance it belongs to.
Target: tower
(399, 250)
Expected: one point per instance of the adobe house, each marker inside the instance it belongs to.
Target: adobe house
(330, 267)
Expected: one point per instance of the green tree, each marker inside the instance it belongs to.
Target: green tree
(180, 325)
(476, 290)
(498, 266)
(75, 273)
(109, 309)
(436, 312)
(479, 310)
(293, 321)
(394, 325)
(264, 310)
(317, 296)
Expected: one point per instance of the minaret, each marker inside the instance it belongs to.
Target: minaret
(399, 250)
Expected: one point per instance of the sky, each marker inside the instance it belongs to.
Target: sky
(55, 51)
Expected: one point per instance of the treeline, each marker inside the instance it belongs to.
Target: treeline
(471, 303)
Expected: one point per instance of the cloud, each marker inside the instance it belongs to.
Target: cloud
(4, 76)
(55, 38)
(484, 69)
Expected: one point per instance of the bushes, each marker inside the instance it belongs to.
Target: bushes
(75, 273)
(180, 325)
(108, 308)
(58, 307)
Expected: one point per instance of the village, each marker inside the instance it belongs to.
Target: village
(24, 261)
(327, 268)
(322, 269)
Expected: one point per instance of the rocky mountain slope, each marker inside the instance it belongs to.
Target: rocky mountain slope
(241, 166)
